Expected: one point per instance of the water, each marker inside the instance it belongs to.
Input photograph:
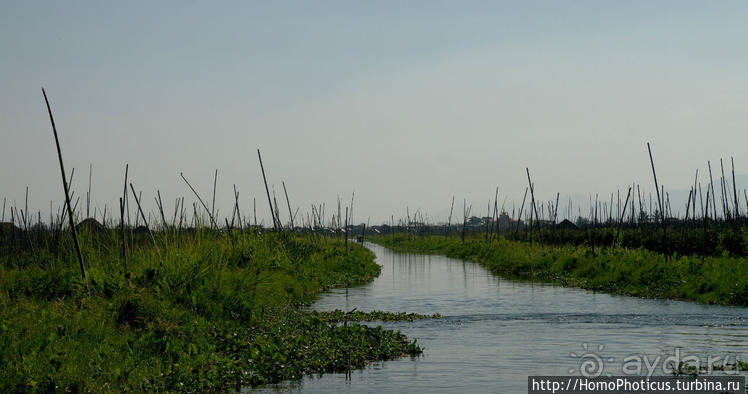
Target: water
(495, 332)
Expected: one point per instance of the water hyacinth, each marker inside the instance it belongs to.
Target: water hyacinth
(204, 311)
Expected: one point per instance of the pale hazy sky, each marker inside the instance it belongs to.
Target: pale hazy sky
(407, 102)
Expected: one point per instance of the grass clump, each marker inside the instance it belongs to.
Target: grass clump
(203, 311)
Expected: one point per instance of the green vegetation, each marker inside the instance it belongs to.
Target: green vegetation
(684, 238)
(340, 316)
(191, 311)
(634, 272)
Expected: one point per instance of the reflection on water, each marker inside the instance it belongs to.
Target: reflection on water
(495, 332)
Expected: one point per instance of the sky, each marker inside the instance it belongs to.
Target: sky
(406, 103)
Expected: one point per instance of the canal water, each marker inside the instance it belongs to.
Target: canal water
(495, 331)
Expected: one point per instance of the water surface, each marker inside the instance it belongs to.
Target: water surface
(495, 331)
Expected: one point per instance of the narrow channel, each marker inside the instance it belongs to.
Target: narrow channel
(495, 331)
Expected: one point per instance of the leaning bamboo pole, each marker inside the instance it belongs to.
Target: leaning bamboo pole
(267, 190)
(734, 189)
(212, 220)
(449, 221)
(290, 215)
(67, 193)
(620, 221)
(657, 188)
(122, 232)
(142, 215)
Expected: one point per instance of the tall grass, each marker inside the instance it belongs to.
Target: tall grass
(634, 272)
(204, 311)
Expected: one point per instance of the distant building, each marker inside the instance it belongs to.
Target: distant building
(8, 227)
(504, 222)
(567, 225)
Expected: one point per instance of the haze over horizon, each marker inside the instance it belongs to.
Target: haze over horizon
(408, 104)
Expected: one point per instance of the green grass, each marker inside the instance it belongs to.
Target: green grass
(633, 272)
(204, 311)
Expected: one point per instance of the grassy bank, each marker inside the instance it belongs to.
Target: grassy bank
(633, 272)
(192, 311)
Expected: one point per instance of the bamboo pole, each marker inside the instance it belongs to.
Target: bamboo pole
(449, 221)
(142, 215)
(350, 219)
(464, 218)
(88, 194)
(555, 210)
(122, 231)
(290, 215)
(532, 202)
(26, 220)
(620, 221)
(657, 188)
(67, 194)
(693, 203)
(734, 189)
(723, 192)
(124, 197)
(176, 211)
(701, 201)
(161, 209)
(212, 220)
(213, 205)
(238, 211)
(488, 212)
(267, 190)
(519, 217)
(346, 230)
(711, 185)
(494, 216)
